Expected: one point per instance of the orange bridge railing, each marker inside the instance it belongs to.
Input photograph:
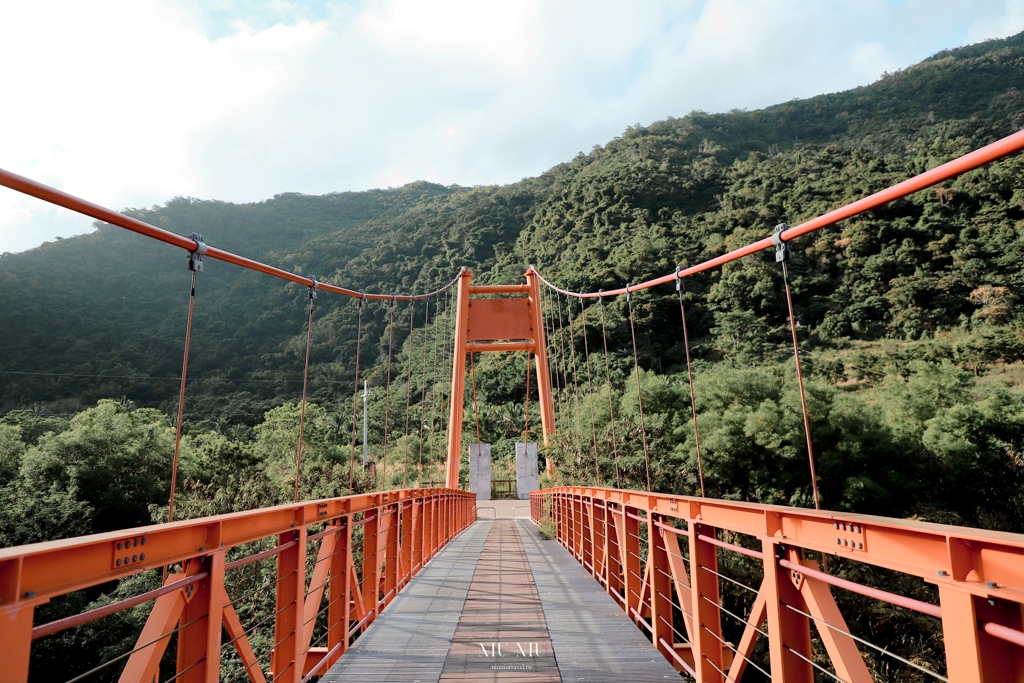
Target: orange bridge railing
(323, 569)
(660, 557)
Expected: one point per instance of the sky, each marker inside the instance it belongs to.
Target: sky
(129, 103)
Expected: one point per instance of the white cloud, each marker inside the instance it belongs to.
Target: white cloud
(131, 102)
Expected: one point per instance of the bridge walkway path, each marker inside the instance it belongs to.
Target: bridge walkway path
(499, 583)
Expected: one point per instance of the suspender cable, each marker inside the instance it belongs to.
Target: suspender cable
(423, 391)
(387, 391)
(527, 404)
(639, 389)
(433, 385)
(355, 400)
(611, 401)
(680, 286)
(572, 351)
(782, 254)
(195, 264)
(590, 393)
(476, 409)
(408, 392)
(305, 384)
(549, 328)
(560, 355)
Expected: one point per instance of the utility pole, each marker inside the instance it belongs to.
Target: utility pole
(366, 396)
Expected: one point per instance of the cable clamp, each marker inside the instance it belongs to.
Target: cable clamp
(680, 285)
(195, 257)
(629, 297)
(600, 296)
(782, 250)
(313, 287)
(362, 299)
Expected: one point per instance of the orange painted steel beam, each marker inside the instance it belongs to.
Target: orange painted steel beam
(979, 574)
(999, 149)
(54, 196)
(540, 354)
(497, 347)
(499, 289)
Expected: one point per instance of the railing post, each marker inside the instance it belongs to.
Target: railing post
(15, 628)
(291, 593)
(405, 551)
(973, 656)
(630, 545)
(662, 634)
(371, 566)
(339, 609)
(707, 616)
(391, 575)
(586, 534)
(198, 658)
(416, 531)
(788, 631)
(614, 569)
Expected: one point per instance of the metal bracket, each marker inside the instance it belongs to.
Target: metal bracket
(313, 287)
(680, 285)
(600, 296)
(195, 258)
(782, 250)
(629, 296)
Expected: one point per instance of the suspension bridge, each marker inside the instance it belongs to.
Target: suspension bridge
(429, 584)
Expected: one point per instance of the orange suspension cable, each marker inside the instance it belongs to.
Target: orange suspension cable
(639, 389)
(611, 401)
(408, 393)
(355, 401)
(999, 149)
(305, 384)
(689, 374)
(387, 392)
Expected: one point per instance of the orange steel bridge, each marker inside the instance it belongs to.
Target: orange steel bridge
(666, 560)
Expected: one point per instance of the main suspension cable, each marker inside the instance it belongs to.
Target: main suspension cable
(639, 388)
(680, 286)
(305, 383)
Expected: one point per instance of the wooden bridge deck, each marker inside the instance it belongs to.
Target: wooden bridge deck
(498, 583)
